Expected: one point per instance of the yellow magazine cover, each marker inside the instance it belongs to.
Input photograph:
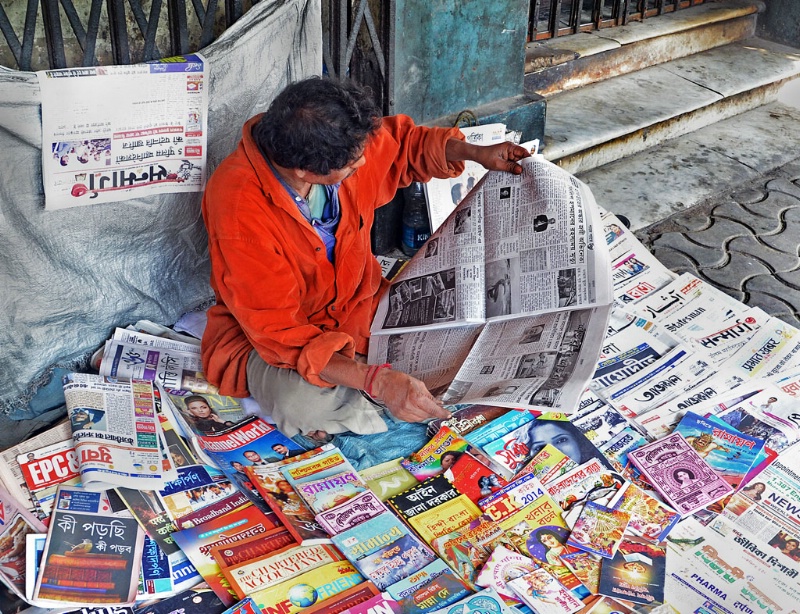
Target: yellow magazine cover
(445, 518)
(307, 589)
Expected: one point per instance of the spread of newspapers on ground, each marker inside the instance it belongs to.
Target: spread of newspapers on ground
(623, 440)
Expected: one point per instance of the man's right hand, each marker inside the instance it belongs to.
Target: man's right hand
(406, 397)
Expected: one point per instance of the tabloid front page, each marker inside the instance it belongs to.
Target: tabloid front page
(152, 140)
(508, 301)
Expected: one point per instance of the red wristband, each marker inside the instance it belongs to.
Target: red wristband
(371, 373)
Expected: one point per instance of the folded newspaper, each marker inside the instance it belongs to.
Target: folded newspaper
(117, 434)
(508, 301)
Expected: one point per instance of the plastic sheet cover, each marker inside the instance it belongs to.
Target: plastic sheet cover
(69, 277)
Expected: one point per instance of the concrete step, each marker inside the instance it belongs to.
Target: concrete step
(685, 172)
(619, 117)
(573, 61)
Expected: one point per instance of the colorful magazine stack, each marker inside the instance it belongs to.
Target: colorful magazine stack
(685, 445)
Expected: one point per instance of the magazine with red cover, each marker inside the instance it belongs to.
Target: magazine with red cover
(286, 503)
(242, 523)
(227, 555)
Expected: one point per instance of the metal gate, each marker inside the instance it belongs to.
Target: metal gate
(552, 18)
(358, 35)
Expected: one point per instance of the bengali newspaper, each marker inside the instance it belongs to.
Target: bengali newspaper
(508, 301)
(112, 133)
(116, 432)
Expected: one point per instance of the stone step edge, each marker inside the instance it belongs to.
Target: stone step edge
(541, 55)
(603, 58)
(655, 135)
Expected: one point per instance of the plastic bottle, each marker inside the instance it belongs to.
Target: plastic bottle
(416, 225)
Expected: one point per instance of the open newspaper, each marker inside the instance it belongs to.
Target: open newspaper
(508, 301)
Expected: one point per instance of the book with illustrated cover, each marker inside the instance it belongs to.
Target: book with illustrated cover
(379, 603)
(467, 549)
(482, 602)
(191, 601)
(472, 478)
(223, 435)
(309, 588)
(198, 494)
(636, 573)
(245, 606)
(323, 494)
(607, 605)
(539, 531)
(513, 497)
(599, 530)
(548, 464)
(395, 561)
(367, 537)
(16, 523)
(545, 594)
(685, 480)
(155, 575)
(436, 456)
(196, 542)
(436, 594)
(510, 451)
(412, 583)
(586, 567)
(504, 565)
(148, 509)
(354, 511)
(286, 504)
(34, 547)
(502, 425)
(616, 451)
(254, 575)
(227, 555)
(522, 527)
(727, 450)
(588, 482)
(91, 557)
(651, 519)
(322, 465)
(384, 549)
(388, 479)
(347, 599)
(467, 419)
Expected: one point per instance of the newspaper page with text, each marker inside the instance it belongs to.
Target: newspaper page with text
(116, 432)
(112, 133)
(513, 289)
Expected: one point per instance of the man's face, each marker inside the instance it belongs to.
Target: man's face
(280, 448)
(337, 175)
(253, 457)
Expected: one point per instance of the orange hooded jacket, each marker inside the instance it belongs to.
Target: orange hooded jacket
(275, 289)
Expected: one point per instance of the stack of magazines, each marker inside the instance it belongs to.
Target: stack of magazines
(622, 437)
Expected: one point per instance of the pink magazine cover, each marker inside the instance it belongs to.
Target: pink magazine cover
(680, 474)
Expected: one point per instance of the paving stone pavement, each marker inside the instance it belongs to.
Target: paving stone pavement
(744, 241)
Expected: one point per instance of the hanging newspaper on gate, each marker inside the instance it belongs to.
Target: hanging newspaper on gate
(112, 133)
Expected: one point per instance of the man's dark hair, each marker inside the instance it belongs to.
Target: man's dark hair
(317, 125)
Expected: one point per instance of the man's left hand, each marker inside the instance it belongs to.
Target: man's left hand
(502, 157)
(498, 157)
